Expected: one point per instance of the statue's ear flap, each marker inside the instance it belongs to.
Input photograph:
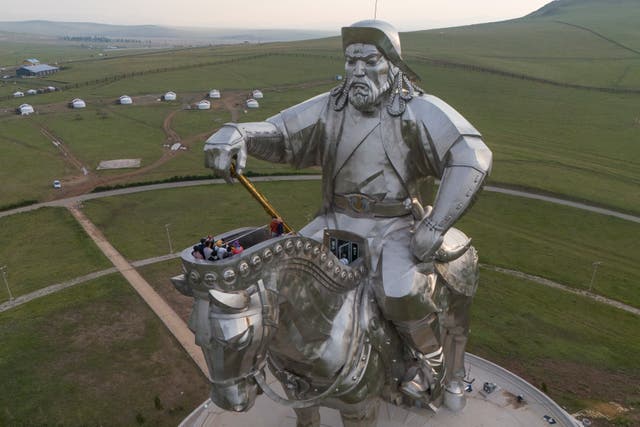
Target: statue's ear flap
(236, 301)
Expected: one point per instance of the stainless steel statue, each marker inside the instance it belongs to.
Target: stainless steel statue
(371, 299)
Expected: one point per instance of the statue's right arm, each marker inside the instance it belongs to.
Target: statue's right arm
(282, 138)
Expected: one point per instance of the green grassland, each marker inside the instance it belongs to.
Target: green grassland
(535, 237)
(29, 162)
(92, 355)
(194, 212)
(572, 142)
(546, 50)
(581, 144)
(576, 143)
(557, 242)
(580, 350)
(45, 247)
(246, 74)
(614, 19)
(14, 50)
(94, 134)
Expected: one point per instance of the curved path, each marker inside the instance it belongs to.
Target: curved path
(494, 189)
(23, 299)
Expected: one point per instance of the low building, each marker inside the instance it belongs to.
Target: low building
(78, 103)
(32, 92)
(214, 94)
(25, 110)
(36, 70)
(31, 61)
(169, 96)
(18, 94)
(257, 94)
(204, 105)
(252, 103)
(125, 100)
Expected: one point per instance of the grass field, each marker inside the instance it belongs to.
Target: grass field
(45, 247)
(542, 49)
(614, 19)
(579, 350)
(539, 238)
(93, 355)
(557, 242)
(108, 354)
(96, 134)
(575, 143)
(193, 212)
(29, 162)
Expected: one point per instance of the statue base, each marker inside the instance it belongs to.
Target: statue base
(495, 397)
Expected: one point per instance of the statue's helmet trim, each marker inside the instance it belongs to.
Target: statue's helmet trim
(382, 35)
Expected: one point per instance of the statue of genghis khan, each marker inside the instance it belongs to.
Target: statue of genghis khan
(381, 142)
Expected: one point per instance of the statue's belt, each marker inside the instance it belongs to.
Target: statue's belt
(367, 206)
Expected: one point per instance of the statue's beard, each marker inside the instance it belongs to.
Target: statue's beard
(364, 94)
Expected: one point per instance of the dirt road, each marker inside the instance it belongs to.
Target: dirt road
(165, 313)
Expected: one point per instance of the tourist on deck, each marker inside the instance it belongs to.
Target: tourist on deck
(236, 248)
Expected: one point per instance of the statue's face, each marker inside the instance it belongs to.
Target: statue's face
(367, 71)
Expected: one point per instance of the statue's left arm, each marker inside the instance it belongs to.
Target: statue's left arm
(462, 166)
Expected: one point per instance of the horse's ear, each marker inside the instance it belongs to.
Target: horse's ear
(236, 301)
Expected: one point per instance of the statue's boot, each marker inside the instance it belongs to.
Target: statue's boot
(423, 380)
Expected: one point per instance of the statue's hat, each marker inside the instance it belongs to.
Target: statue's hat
(381, 34)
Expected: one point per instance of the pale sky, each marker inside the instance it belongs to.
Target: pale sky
(405, 15)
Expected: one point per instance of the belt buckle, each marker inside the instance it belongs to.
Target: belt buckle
(360, 204)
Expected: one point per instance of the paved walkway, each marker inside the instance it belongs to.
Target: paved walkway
(556, 285)
(23, 299)
(130, 190)
(559, 201)
(176, 326)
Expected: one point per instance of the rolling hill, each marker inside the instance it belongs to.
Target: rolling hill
(202, 35)
(578, 42)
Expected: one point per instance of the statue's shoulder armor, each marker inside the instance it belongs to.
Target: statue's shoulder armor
(442, 124)
(304, 115)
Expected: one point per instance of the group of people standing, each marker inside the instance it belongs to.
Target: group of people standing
(213, 250)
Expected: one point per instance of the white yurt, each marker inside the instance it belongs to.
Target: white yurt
(125, 100)
(252, 103)
(78, 103)
(18, 94)
(25, 109)
(32, 92)
(257, 94)
(204, 105)
(51, 88)
(214, 94)
(169, 96)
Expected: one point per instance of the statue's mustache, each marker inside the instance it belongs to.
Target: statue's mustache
(361, 85)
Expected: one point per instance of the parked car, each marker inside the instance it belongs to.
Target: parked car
(56, 184)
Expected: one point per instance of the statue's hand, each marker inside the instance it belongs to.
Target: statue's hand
(222, 148)
(427, 239)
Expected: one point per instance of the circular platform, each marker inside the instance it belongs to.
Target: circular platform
(497, 408)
